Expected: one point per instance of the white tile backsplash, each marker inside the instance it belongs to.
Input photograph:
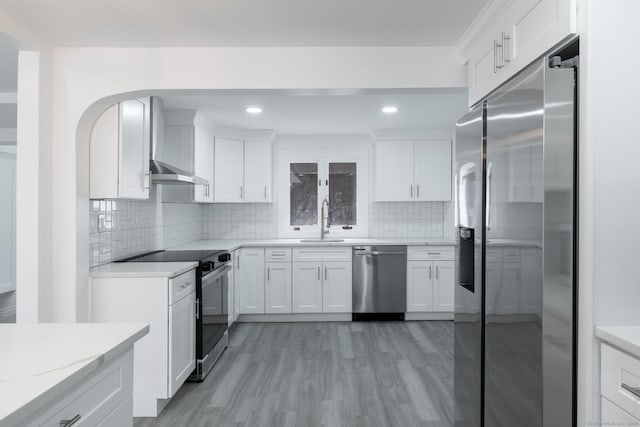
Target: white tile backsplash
(120, 228)
(240, 221)
(406, 219)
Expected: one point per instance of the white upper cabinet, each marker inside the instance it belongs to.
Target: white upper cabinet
(242, 170)
(522, 32)
(394, 171)
(229, 170)
(119, 152)
(188, 145)
(413, 170)
(433, 170)
(257, 172)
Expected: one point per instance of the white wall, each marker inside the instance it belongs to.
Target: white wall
(84, 77)
(609, 182)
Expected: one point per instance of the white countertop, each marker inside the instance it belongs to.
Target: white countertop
(626, 338)
(142, 269)
(230, 245)
(40, 361)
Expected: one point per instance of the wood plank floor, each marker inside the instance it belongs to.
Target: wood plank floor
(324, 374)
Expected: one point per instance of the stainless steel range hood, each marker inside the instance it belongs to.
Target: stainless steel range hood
(162, 172)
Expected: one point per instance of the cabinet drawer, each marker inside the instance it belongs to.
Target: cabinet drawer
(494, 255)
(94, 400)
(277, 254)
(430, 253)
(620, 374)
(612, 415)
(181, 286)
(322, 254)
(511, 255)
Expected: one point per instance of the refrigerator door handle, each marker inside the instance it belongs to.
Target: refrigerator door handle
(489, 195)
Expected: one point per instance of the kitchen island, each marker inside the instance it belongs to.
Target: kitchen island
(58, 373)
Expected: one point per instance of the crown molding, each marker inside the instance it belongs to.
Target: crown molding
(487, 17)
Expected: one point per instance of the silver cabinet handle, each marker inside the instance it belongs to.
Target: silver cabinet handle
(146, 184)
(505, 38)
(633, 390)
(318, 272)
(197, 302)
(437, 272)
(268, 274)
(430, 272)
(411, 190)
(241, 191)
(72, 421)
(325, 272)
(265, 192)
(495, 56)
(185, 285)
(418, 191)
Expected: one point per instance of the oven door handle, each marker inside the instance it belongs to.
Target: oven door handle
(217, 272)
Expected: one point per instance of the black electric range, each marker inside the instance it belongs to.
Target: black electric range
(212, 287)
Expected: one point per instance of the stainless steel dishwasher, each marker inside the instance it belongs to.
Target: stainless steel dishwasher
(379, 282)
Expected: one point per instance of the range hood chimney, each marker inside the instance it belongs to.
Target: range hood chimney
(163, 172)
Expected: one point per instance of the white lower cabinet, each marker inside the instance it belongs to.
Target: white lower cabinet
(182, 341)
(306, 292)
(104, 398)
(336, 287)
(277, 290)
(250, 280)
(321, 280)
(619, 387)
(430, 279)
(165, 357)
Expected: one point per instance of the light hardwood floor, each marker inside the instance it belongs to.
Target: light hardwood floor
(324, 374)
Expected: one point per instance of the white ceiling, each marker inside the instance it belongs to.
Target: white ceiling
(244, 22)
(327, 113)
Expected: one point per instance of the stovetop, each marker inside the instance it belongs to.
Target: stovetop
(176, 256)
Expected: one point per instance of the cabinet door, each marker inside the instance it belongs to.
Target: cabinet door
(306, 287)
(277, 291)
(203, 164)
(508, 297)
(135, 132)
(419, 286)
(613, 415)
(182, 344)
(228, 170)
(433, 170)
(336, 287)
(535, 26)
(251, 280)
(257, 171)
(484, 74)
(394, 171)
(443, 282)
(231, 296)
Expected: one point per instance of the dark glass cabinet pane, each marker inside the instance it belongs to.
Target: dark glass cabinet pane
(342, 193)
(303, 191)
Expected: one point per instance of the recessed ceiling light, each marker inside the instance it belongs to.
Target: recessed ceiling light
(389, 109)
(253, 110)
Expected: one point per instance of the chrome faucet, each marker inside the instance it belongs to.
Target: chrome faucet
(324, 231)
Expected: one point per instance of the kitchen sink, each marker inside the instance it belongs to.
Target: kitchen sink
(321, 240)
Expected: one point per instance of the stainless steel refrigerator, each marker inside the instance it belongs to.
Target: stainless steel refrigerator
(515, 275)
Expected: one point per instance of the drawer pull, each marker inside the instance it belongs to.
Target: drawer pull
(633, 390)
(72, 421)
(185, 285)
(434, 253)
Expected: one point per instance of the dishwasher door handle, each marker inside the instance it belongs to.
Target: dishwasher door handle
(385, 253)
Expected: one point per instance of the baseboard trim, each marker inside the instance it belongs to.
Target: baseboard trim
(295, 317)
(428, 316)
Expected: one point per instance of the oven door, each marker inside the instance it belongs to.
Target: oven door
(213, 318)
